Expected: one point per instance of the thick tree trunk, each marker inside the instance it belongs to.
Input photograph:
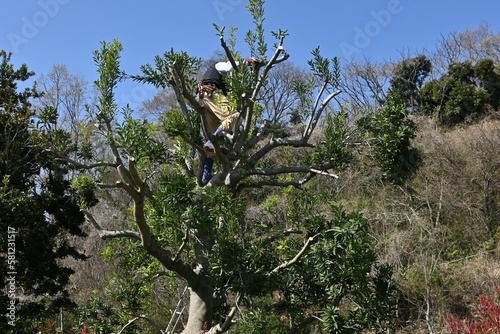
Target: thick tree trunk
(200, 310)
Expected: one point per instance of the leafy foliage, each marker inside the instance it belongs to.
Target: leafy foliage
(108, 63)
(465, 90)
(336, 149)
(392, 131)
(255, 39)
(319, 264)
(37, 202)
(96, 315)
(305, 92)
(137, 139)
(324, 69)
(85, 187)
(161, 75)
(408, 77)
(358, 291)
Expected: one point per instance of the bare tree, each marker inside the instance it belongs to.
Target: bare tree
(365, 84)
(277, 96)
(469, 45)
(154, 108)
(67, 93)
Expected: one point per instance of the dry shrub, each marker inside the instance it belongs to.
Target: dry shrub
(440, 230)
(90, 275)
(479, 275)
(460, 178)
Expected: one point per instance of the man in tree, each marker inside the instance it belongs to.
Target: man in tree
(221, 119)
(203, 236)
(212, 93)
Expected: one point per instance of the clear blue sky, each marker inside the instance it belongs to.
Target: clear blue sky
(42, 33)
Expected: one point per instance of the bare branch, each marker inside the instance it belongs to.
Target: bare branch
(267, 68)
(280, 234)
(315, 107)
(272, 144)
(127, 187)
(228, 322)
(109, 186)
(79, 165)
(228, 53)
(276, 183)
(320, 172)
(183, 245)
(134, 174)
(151, 322)
(296, 258)
(124, 175)
(282, 59)
(271, 183)
(290, 169)
(317, 114)
(252, 141)
(107, 234)
(257, 87)
(279, 170)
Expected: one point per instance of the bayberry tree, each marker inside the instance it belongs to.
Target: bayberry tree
(315, 267)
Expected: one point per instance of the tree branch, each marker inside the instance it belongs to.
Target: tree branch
(125, 175)
(280, 234)
(267, 68)
(274, 183)
(79, 165)
(273, 61)
(320, 172)
(111, 140)
(255, 138)
(271, 145)
(107, 234)
(296, 258)
(183, 245)
(136, 179)
(228, 53)
(180, 93)
(314, 111)
(228, 322)
(151, 322)
(263, 183)
(291, 169)
(248, 115)
(314, 120)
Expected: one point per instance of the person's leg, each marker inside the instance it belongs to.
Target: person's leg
(219, 118)
(213, 122)
(207, 169)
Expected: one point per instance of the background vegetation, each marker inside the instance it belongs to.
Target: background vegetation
(405, 240)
